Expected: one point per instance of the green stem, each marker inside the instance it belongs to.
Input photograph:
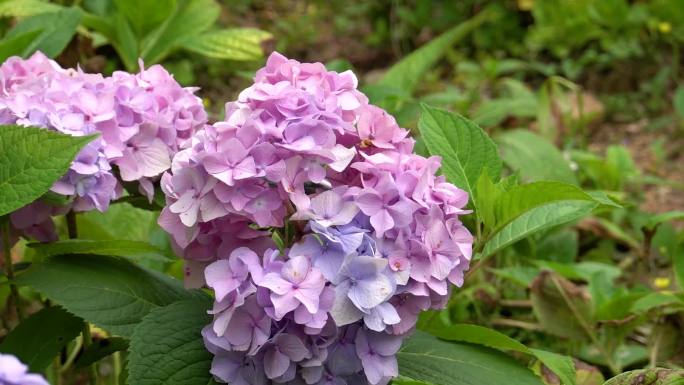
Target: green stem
(9, 268)
(72, 356)
(116, 358)
(87, 342)
(57, 371)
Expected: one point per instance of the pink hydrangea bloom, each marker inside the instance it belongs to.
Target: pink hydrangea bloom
(378, 237)
(141, 119)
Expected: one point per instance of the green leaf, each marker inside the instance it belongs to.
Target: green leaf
(402, 380)
(604, 198)
(190, 18)
(37, 340)
(488, 193)
(521, 275)
(58, 29)
(110, 292)
(562, 366)
(124, 40)
(99, 350)
(24, 8)
(229, 44)
(655, 376)
(465, 149)
(145, 15)
(522, 198)
(678, 101)
(657, 219)
(426, 358)
(121, 221)
(407, 73)
(120, 248)
(653, 300)
(478, 335)
(678, 266)
(15, 46)
(537, 219)
(493, 112)
(559, 364)
(563, 308)
(534, 157)
(31, 160)
(167, 348)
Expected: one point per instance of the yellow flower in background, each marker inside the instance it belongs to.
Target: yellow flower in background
(206, 102)
(661, 282)
(664, 27)
(525, 5)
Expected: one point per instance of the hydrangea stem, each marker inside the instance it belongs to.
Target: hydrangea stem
(87, 341)
(9, 268)
(72, 228)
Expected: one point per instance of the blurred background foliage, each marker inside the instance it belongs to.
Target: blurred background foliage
(587, 92)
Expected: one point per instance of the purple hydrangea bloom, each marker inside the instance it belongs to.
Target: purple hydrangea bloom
(322, 235)
(13, 372)
(142, 120)
(297, 283)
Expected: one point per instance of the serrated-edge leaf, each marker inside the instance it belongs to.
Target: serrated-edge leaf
(167, 346)
(110, 292)
(537, 219)
(31, 160)
(465, 148)
(40, 337)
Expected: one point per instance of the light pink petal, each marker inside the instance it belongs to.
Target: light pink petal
(296, 269)
(369, 203)
(275, 283)
(382, 221)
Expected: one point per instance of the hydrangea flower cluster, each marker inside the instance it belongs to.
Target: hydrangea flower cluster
(13, 372)
(142, 120)
(378, 235)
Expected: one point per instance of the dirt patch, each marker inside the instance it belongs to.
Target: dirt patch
(668, 165)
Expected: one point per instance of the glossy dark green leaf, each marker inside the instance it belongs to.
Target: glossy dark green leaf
(167, 347)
